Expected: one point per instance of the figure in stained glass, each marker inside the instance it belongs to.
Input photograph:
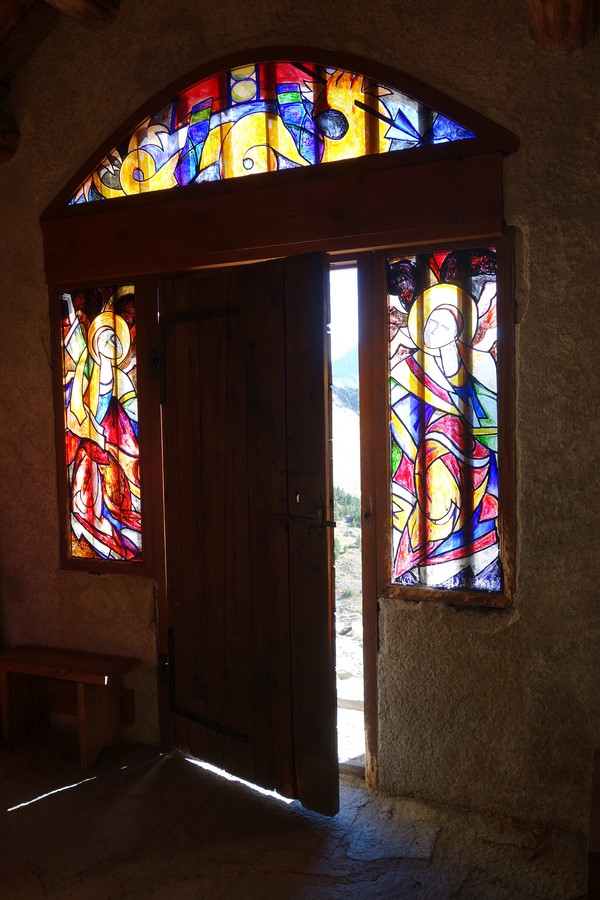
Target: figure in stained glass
(101, 416)
(443, 416)
(265, 117)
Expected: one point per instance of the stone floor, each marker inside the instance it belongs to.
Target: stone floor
(144, 824)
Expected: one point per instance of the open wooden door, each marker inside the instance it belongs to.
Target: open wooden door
(248, 504)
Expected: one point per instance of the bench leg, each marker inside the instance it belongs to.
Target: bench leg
(7, 736)
(22, 706)
(98, 713)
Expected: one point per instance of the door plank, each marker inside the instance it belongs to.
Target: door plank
(269, 571)
(212, 666)
(374, 452)
(310, 494)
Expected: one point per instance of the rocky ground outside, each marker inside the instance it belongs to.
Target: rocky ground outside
(348, 592)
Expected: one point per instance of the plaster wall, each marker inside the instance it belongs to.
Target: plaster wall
(496, 710)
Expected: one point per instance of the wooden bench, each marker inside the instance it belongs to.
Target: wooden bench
(98, 681)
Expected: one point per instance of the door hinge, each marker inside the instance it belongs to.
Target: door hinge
(156, 362)
(163, 668)
(157, 370)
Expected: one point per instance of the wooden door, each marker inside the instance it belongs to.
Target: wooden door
(247, 457)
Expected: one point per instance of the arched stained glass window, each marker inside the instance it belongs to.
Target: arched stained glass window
(265, 117)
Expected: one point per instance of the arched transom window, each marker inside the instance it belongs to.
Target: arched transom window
(265, 117)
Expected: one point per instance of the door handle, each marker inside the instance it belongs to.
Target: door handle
(316, 520)
(320, 517)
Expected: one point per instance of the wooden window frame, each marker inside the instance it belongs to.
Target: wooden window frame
(148, 562)
(376, 452)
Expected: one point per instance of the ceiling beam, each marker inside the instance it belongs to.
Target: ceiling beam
(21, 41)
(93, 13)
(9, 137)
(563, 25)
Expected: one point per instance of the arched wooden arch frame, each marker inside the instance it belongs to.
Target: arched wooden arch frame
(430, 197)
(369, 202)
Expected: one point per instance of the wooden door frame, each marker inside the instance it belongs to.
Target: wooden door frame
(426, 196)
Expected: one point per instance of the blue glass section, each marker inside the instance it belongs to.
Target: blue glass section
(402, 128)
(189, 163)
(298, 121)
(470, 532)
(490, 579)
(444, 129)
(492, 485)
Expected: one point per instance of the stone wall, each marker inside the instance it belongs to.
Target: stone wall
(487, 709)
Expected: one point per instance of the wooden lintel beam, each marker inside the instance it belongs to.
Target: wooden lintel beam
(9, 137)
(563, 25)
(93, 13)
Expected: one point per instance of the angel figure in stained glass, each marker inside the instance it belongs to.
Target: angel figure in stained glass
(102, 441)
(444, 441)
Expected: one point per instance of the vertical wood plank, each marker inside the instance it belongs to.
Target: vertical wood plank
(148, 340)
(374, 452)
(237, 647)
(269, 570)
(593, 853)
(207, 516)
(310, 494)
(23, 704)
(507, 468)
(5, 710)
(173, 411)
(98, 719)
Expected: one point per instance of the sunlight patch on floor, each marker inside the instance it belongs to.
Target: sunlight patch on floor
(229, 777)
(59, 790)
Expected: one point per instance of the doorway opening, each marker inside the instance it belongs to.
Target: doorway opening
(343, 284)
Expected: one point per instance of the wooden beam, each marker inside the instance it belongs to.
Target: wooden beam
(352, 208)
(93, 13)
(20, 43)
(563, 25)
(11, 13)
(9, 137)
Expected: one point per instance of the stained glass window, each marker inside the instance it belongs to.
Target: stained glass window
(444, 420)
(265, 117)
(101, 423)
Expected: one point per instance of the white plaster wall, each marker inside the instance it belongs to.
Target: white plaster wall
(491, 710)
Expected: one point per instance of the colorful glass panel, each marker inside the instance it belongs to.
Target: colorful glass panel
(444, 420)
(265, 117)
(101, 423)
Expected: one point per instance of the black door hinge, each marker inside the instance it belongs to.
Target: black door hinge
(157, 370)
(163, 669)
(156, 362)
